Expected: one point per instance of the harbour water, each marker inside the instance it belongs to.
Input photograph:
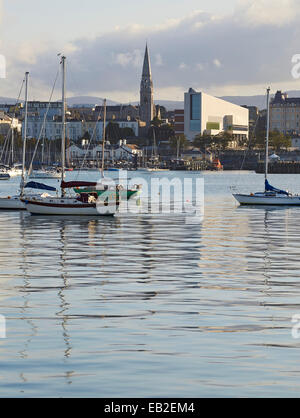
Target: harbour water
(152, 306)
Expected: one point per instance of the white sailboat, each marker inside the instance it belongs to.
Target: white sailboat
(14, 202)
(15, 170)
(4, 175)
(271, 195)
(45, 174)
(81, 204)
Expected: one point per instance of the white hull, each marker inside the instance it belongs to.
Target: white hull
(11, 203)
(44, 175)
(277, 200)
(67, 206)
(14, 173)
(4, 176)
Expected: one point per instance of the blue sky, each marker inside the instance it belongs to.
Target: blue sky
(232, 47)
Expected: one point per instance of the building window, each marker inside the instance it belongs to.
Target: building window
(195, 106)
(195, 124)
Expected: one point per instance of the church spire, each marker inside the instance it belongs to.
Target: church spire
(147, 101)
(147, 66)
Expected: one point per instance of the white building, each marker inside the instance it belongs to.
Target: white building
(75, 129)
(208, 114)
(7, 123)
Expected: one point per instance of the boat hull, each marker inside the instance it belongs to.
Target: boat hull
(244, 199)
(15, 173)
(11, 203)
(67, 206)
(44, 175)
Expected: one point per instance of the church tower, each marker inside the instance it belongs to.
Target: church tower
(147, 101)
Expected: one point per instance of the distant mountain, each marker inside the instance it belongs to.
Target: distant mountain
(259, 100)
(7, 100)
(89, 100)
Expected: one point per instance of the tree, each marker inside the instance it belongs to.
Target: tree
(202, 141)
(179, 142)
(113, 132)
(156, 122)
(127, 132)
(279, 141)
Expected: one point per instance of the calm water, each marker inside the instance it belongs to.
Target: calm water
(149, 306)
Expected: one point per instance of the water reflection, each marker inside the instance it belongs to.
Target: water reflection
(150, 305)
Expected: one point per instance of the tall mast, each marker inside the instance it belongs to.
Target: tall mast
(63, 138)
(268, 133)
(25, 134)
(12, 143)
(103, 139)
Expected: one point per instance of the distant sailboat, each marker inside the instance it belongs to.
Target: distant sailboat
(271, 195)
(14, 202)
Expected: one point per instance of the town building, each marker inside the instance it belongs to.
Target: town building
(75, 129)
(40, 109)
(285, 114)
(120, 152)
(7, 123)
(253, 117)
(179, 122)
(119, 112)
(204, 114)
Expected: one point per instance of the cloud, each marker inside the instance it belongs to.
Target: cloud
(268, 12)
(251, 47)
(217, 63)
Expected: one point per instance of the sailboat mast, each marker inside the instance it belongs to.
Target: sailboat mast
(103, 139)
(268, 133)
(63, 139)
(25, 134)
(12, 144)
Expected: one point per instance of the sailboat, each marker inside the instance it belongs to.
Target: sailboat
(105, 184)
(15, 169)
(14, 202)
(44, 173)
(4, 175)
(271, 195)
(81, 204)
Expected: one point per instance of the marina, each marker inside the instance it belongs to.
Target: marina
(138, 300)
(149, 203)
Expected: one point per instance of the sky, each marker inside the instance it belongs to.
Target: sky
(232, 47)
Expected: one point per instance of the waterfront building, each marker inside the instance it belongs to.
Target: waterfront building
(205, 114)
(253, 117)
(75, 129)
(285, 114)
(179, 122)
(7, 123)
(121, 151)
(40, 109)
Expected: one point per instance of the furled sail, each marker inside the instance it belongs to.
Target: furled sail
(72, 184)
(39, 186)
(270, 188)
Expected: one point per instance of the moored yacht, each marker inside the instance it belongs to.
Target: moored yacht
(82, 204)
(271, 195)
